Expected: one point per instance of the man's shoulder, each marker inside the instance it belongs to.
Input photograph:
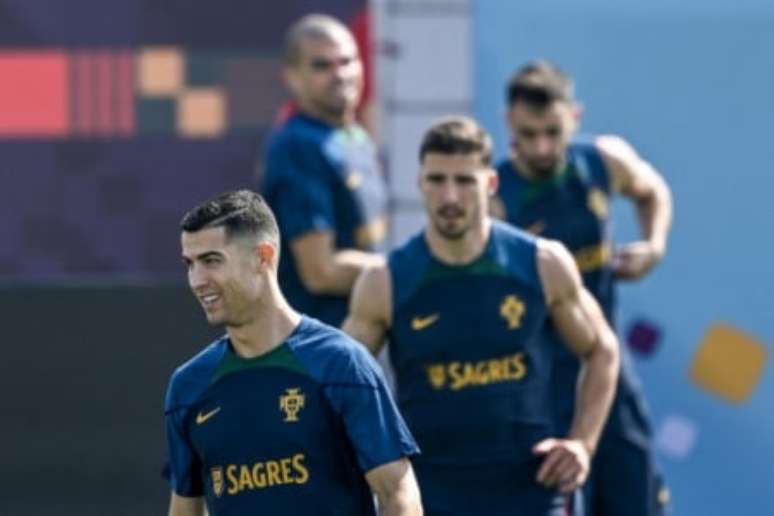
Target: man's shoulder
(511, 235)
(331, 356)
(191, 378)
(297, 131)
(414, 247)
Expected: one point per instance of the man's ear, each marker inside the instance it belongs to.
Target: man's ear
(267, 254)
(493, 182)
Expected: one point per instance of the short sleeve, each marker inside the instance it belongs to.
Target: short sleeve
(184, 467)
(301, 195)
(375, 428)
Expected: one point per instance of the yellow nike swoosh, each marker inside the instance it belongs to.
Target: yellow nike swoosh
(203, 418)
(420, 323)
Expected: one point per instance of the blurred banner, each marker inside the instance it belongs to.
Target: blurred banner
(116, 117)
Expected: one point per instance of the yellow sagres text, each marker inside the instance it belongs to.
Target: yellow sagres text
(260, 475)
(462, 375)
(592, 257)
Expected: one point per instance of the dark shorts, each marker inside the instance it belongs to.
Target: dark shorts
(625, 480)
(502, 489)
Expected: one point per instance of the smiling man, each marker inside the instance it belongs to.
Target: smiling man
(283, 414)
(464, 303)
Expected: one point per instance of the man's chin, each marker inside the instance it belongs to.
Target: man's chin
(215, 319)
(451, 233)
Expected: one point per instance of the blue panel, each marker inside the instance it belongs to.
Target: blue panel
(691, 87)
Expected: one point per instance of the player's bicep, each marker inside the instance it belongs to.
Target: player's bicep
(369, 308)
(570, 305)
(186, 506)
(630, 174)
(580, 322)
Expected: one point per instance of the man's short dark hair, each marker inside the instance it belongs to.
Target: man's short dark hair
(457, 135)
(243, 213)
(538, 84)
(311, 26)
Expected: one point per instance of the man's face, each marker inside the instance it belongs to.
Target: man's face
(329, 74)
(456, 188)
(541, 136)
(222, 274)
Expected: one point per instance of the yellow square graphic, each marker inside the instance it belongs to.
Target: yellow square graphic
(201, 113)
(729, 363)
(160, 71)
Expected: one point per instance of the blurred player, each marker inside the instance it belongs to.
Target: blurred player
(464, 303)
(559, 188)
(321, 174)
(283, 414)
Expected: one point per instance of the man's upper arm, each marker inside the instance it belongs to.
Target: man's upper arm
(574, 311)
(313, 255)
(369, 308)
(630, 174)
(185, 506)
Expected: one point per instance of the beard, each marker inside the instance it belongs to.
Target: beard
(335, 103)
(455, 230)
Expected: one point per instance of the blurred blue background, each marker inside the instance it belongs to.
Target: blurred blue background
(169, 103)
(691, 86)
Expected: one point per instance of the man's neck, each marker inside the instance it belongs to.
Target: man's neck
(529, 174)
(273, 323)
(460, 251)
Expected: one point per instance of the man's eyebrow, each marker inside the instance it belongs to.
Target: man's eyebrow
(202, 256)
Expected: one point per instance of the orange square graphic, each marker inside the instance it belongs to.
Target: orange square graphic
(201, 113)
(729, 363)
(34, 93)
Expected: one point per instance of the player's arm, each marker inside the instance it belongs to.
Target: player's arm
(323, 269)
(581, 323)
(185, 506)
(369, 308)
(636, 179)
(396, 489)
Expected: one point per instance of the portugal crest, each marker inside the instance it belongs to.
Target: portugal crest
(512, 310)
(217, 480)
(597, 203)
(291, 404)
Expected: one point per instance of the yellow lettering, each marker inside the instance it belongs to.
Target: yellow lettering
(482, 373)
(233, 485)
(456, 376)
(592, 257)
(298, 465)
(519, 368)
(259, 477)
(272, 472)
(285, 466)
(245, 478)
(496, 371)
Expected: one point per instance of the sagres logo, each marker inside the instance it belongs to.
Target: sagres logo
(512, 309)
(216, 474)
(436, 374)
(291, 404)
(459, 375)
